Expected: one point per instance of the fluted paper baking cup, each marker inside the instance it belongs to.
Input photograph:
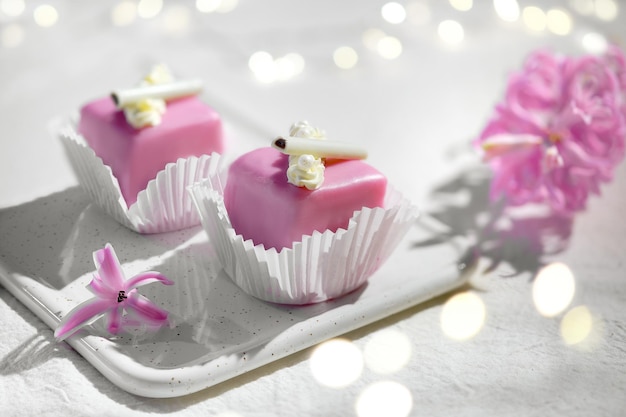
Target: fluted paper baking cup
(164, 206)
(322, 266)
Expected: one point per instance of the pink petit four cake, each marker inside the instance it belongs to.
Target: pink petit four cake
(303, 221)
(136, 152)
(265, 207)
(188, 128)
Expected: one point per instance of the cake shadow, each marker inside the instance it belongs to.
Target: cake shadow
(209, 315)
(34, 233)
(52, 238)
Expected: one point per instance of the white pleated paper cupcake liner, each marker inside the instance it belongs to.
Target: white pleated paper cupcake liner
(322, 266)
(164, 206)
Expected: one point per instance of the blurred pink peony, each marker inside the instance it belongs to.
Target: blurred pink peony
(560, 130)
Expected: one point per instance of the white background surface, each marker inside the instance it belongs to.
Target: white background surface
(423, 107)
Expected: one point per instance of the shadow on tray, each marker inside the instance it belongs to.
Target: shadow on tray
(521, 237)
(52, 239)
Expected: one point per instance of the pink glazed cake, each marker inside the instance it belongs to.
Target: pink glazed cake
(263, 206)
(188, 128)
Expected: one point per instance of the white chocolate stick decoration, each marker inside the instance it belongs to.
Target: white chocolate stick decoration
(171, 90)
(319, 148)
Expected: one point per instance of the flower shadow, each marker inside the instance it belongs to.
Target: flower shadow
(520, 237)
(29, 354)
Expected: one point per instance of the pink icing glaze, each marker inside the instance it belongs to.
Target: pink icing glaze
(264, 207)
(188, 128)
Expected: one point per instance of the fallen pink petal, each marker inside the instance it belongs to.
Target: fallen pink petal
(114, 298)
(560, 131)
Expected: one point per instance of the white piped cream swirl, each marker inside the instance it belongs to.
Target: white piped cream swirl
(303, 129)
(306, 170)
(148, 112)
(160, 74)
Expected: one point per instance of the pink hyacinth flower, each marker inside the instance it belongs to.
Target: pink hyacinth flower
(560, 130)
(114, 296)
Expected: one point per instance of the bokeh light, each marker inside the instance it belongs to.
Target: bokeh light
(147, 9)
(384, 398)
(576, 325)
(559, 22)
(207, 6)
(176, 19)
(388, 351)
(12, 35)
(534, 18)
(266, 69)
(260, 59)
(262, 64)
(553, 289)
(12, 8)
(336, 363)
(462, 5)
(124, 13)
(345, 57)
(595, 43)
(389, 47)
(45, 15)
(507, 10)
(606, 9)
(463, 315)
(393, 12)
(451, 32)
(289, 66)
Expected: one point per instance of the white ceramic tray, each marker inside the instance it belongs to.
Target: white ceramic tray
(216, 330)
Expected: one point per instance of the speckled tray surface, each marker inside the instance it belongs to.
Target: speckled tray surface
(216, 331)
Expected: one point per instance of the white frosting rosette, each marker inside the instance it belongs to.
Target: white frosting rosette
(306, 170)
(148, 111)
(163, 206)
(321, 266)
